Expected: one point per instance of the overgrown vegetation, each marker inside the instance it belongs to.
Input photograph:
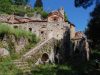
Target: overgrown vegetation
(39, 10)
(51, 69)
(93, 28)
(6, 63)
(8, 68)
(12, 6)
(18, 33)
(65, 16)
(20, 7)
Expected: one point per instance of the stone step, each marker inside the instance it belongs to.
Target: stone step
(20, 63)
(27, 71)
(24, 66)
(34, 50)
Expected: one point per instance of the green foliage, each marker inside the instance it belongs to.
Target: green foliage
(93, 28)
(11, 46)
(12, 7)
(51, 69)
(38, 7)
(84, 3)
(19, 7)
(5, 6)
(18, 33)
(18, 55)
(44, 14)
(1, 45)
(41, 12)
(20, 2)
(38, 3)
(7, 67)
(65, 16)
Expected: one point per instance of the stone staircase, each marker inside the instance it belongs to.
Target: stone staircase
(22, 65)
(36, 49)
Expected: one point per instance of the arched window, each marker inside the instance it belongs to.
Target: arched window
(55, 19)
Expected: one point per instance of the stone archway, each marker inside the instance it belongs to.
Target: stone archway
(43, 60)
(45, 57)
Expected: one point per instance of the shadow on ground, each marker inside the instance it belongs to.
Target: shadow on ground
(73, 67)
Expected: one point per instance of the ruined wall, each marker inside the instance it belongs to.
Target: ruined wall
(57, 29)
(3, 17)
(12, 44)
(45, 30)
(72, 31)
(36, 53)
(38, 28)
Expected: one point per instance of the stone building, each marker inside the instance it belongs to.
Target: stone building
(54, 26)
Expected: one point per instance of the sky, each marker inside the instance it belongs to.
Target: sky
(78, 16)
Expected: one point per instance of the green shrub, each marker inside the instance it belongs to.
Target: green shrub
(51, 69)
(7, 67)
(40, 10)
(65, 16)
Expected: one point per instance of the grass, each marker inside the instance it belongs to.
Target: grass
(52, 69)
(8, 68)
(18, 55)
(87, 68)
(18, 33)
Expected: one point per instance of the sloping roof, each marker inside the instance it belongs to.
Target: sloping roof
(15, 20)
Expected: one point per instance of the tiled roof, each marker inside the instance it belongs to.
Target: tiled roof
(16, 20)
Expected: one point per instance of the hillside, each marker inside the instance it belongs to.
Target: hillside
(16, 40)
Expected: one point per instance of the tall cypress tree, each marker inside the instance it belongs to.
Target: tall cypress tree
(93, 30)
(38, 3)
(85, 3)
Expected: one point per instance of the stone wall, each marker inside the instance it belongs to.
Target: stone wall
(13, 45)
(36, 53)
(45, 30)
(72, 31)
(3, 17)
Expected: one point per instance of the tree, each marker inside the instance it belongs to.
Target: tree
(21, 2)
(85, 3)
(93, 29)
(38, 3)
(5, 6)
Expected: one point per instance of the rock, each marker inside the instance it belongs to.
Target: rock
(20, 44)
(4, 52)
